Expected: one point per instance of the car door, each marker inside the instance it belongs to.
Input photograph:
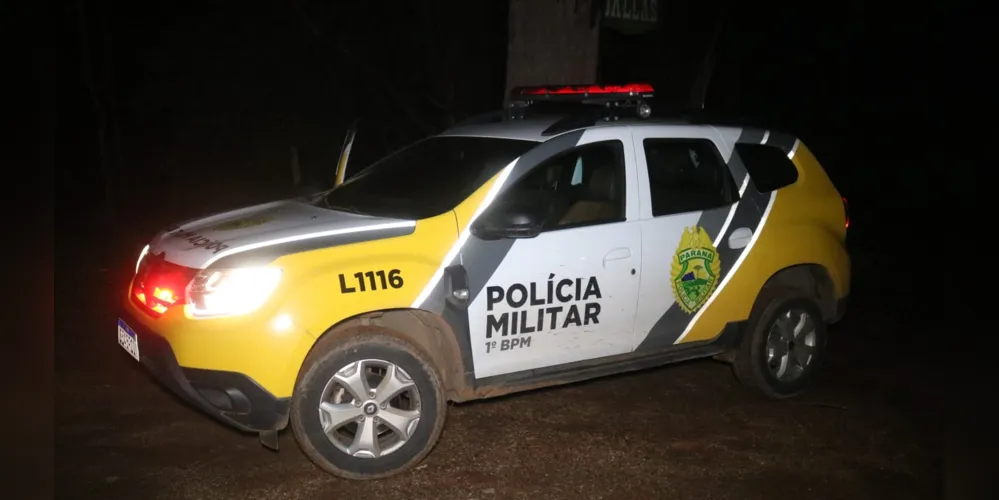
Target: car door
(569, 293)
(692, 227)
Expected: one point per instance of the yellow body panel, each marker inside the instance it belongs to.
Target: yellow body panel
(248, 344)
(805, 225)
(311, 297)
(315, 298)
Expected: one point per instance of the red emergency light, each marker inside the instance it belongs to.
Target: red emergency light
(159, 285)
(584, 92)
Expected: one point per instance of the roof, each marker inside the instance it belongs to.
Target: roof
(532, 128)
(528, 129)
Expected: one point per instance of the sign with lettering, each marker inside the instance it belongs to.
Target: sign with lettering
(539, 308)
(631, 16)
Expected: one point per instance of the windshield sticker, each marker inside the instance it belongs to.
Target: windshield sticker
(696, 268)
(534, 312)
(254, 220)
(202, 242)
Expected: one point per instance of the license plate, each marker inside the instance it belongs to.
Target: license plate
(128, 339)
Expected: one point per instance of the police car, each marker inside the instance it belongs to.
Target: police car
(520, 250)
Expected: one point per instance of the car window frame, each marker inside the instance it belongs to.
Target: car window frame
(622, 172)
(749, 171)
(732, 184)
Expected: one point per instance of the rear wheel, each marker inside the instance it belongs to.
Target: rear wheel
(368, 406)
(783, 346)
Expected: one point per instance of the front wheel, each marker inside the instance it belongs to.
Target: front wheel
(783, 346)
(368, 406)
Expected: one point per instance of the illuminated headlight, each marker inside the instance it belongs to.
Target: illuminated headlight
(142, 255)
(229, 292)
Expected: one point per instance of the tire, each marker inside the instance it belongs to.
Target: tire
(751, 365)
(365, 348)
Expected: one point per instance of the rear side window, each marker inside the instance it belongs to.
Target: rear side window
(768, 166)
(687, 175)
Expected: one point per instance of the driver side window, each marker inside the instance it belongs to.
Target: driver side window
(580, 187)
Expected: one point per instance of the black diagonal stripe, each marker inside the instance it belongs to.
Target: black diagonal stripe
(712, 220)
(481, 257)
(675, 320)
(739, 172)
(751, 135)
(457, 319)
(267, 254)
(750, 218)
(781, 140)
(747, 214)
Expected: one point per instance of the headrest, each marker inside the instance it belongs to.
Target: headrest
(603, 184)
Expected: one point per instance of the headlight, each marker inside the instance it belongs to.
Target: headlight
(229, 292)
(142, 255)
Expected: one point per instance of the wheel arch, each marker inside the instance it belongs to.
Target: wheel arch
(429, 331)
(812, 280)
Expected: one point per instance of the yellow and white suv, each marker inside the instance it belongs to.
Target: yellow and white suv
(498, 256)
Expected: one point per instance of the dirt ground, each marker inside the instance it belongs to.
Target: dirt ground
(685, 431)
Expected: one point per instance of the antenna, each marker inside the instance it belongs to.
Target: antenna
(699, 90)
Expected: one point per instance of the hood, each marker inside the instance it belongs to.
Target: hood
(267, 231)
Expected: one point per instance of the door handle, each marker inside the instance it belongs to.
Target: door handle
(617, 254)
(740, 238)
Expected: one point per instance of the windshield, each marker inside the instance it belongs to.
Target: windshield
(427, 178)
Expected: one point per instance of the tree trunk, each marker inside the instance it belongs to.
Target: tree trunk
(702, 82)
(97, 84)
(551, 42)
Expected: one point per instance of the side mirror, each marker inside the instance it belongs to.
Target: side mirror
(507, 222)
(341, 164)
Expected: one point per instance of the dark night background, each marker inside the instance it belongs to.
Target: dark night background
(204, 101)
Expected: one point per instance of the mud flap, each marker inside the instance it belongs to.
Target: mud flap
(729, 339)
(269, 439)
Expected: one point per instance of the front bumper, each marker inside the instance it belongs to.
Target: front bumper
(232, 398)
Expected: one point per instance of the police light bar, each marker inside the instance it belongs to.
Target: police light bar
(583, 92)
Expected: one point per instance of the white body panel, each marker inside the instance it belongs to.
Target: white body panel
(661, 235)
(606, 254)
(610, 254)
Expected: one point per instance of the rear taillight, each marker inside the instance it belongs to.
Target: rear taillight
(159, 285)
(846, 213)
